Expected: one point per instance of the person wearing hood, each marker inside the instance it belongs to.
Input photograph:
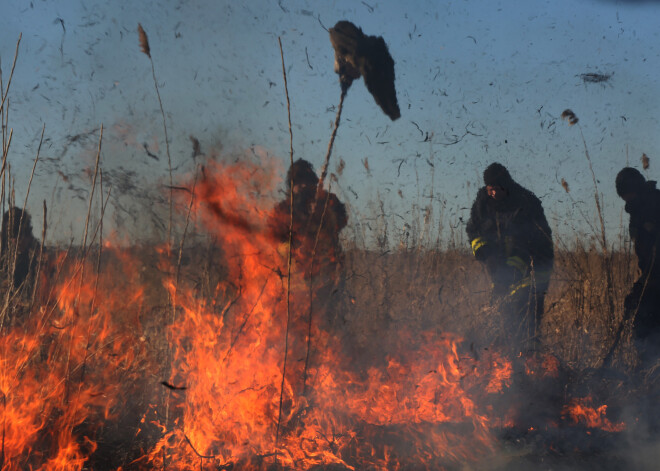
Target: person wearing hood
(510, 235)
(315, 220)
(318, 218)
(18, 246)
(642, 304)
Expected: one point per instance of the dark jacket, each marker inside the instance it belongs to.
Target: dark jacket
(310, 213)
(513, 227)
(644, 230)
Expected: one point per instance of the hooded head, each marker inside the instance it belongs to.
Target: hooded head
(17, 228)
(304, 179)
(629, 182)
(301, 173)
(498, 181)
(496, 174)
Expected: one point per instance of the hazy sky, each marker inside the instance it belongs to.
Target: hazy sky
(477, 81)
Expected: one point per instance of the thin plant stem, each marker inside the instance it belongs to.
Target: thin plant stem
(167, 150)
(324, 169)
(319, 189)
(20, 227)
(606, 258)
(596, 197)
(91, 195)
(183, 239)
(82, 274)
(44, 229)
(311, 292)
(288, 263)
(11, 74)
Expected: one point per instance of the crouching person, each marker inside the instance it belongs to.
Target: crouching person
(510, 235)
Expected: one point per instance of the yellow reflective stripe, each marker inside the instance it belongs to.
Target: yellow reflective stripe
(524, 283)
(477, 244)
(539, 277)
(517, 263)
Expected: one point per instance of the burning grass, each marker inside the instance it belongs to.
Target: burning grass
(209, 356)
(146, 359)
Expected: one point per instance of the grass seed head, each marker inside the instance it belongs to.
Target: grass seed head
(144, 41)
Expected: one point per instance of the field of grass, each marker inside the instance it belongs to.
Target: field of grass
(192, 355)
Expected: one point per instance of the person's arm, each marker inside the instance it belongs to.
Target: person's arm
(477, 230)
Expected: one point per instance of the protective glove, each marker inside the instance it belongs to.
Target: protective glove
(481, 249)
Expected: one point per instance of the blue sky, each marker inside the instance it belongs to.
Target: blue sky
(487, 80)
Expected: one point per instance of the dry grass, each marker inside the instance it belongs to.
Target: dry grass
(448, 291)
(424, 292)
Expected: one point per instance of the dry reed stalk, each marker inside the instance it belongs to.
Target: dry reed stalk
(89, 209)
(73, 276)
(98, 258)
(82, 274)
(311, 292)
(319, 188)
(144, 46)
(183, 239)
(324, 169)
(99, 229)
(628, 316)
(572, 120)
(44, 229)
(12, 263)
(607, 260)
(5, 93)
(596, 195)
(5, 153)
(174, 296)
(288, 263)
(3, 175)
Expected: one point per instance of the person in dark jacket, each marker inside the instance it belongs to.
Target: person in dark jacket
(19, 257)
(316, 262)
(18, 246)
(510, 235)
(318, 218)
(642, 304)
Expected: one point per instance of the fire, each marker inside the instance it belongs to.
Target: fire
(64, 367)
(245, 375)
(579, 411)
(237, 407)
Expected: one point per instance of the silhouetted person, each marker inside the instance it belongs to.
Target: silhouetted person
(509, 233)
(18, 248)
(317, 257)
(318, 218)
(18, 265)
(643, 302)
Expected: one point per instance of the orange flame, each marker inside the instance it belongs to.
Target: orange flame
(580, 411)
(244, 377)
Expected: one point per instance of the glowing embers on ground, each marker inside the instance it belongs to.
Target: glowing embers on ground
(581, 411)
